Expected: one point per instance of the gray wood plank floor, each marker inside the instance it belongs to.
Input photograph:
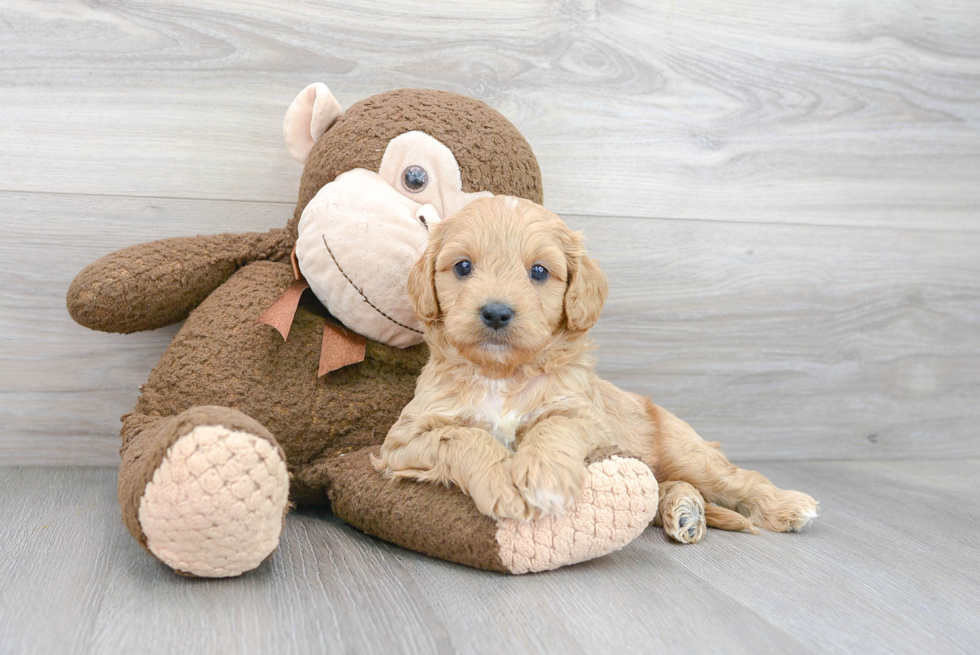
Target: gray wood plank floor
(892, 565)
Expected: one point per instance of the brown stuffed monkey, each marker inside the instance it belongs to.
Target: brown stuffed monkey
(236, 421)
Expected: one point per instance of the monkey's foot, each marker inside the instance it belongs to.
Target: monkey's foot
(618, 501)
(216, 503)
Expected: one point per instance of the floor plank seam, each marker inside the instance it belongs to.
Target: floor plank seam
(871, 225)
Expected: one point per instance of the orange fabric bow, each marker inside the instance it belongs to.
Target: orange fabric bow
(340, 347)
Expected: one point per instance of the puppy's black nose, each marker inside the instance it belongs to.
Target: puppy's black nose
(496, 315)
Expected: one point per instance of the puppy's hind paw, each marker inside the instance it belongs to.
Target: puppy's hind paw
(687, 524)
(682, 512)
(789, 511)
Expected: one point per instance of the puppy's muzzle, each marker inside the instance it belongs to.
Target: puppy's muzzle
(496, 316)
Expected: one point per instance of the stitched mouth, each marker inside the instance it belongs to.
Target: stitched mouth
(360, 291)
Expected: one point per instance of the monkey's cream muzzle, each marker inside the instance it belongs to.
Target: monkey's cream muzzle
(361, 234)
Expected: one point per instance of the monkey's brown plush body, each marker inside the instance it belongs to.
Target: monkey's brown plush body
(234, 419)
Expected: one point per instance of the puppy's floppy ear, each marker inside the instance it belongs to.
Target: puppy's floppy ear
(587, 286)
(422, 280)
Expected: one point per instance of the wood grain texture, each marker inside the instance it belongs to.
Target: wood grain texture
(797, 341)
(784, 197)
(749, 110)
(782, 341)
(888, 567)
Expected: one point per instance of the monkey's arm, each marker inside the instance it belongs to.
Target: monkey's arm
(154, 284)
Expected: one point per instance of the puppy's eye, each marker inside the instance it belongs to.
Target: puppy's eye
(539, 273)
(414, 179)
(463, 268)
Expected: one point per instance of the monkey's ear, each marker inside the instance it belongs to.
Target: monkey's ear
(312, 113)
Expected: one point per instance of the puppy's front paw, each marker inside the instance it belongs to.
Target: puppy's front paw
(547, 485)
(496, 496)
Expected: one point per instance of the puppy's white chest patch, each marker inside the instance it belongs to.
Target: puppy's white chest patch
(503, 425)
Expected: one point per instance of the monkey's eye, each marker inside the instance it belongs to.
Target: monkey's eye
(414, 179)
(463, 268)
(539, 273)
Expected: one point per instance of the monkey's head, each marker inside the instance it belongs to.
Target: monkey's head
(377, 177)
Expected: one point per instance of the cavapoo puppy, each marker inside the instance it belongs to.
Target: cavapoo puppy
(509, 405)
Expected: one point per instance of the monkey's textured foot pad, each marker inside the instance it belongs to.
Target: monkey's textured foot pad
(215, 505)
(618, 501)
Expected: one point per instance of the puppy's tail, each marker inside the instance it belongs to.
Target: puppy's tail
(717, 516)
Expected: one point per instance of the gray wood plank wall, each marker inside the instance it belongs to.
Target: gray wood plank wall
(786, 195)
